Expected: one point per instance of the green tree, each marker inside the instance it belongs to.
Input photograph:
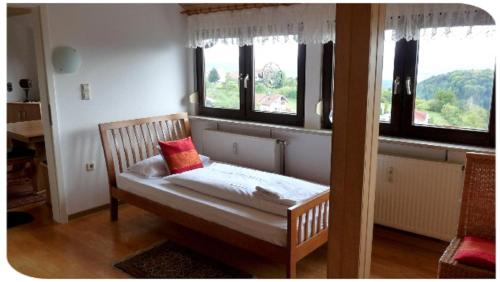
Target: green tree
(442, 98)
(452, 114)
(213, 76)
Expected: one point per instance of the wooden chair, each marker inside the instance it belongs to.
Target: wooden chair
(20, 163)
(477, 216)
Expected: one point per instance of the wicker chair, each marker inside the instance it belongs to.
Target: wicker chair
(477, 215)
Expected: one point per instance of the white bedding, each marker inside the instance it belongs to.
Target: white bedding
(238, 185)
(258, 224)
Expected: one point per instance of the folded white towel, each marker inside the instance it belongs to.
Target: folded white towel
(270, 196)
(288, 191)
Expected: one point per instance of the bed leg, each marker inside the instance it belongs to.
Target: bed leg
(291, 269)
(114, 209)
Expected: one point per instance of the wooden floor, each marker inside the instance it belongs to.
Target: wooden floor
(88, 246)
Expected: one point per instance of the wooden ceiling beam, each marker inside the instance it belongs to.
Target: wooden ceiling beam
(193, 9)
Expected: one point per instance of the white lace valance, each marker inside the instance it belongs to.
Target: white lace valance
(411, 21)
(304, 23)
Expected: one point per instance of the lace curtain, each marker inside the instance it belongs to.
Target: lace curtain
(303, 23)
(413, 21)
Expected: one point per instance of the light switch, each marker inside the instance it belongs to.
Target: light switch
(85, 88)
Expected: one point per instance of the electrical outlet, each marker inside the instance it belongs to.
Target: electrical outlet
(90, 166)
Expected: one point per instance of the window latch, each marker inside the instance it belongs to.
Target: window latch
(395, 86)
(245, 81)
(408, 85)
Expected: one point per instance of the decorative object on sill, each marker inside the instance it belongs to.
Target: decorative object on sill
(9, 86)
(319, 108)
(193, 98)
(407, 20)
(169, 260)
(303, 23)
(66, 59)
(26, 85)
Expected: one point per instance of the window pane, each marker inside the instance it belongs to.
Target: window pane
(221, 76)
(455, 81)
(387, 77)
(275, 66)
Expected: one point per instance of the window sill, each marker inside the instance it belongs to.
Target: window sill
(328, 132)
(436, 145)
(323, 132)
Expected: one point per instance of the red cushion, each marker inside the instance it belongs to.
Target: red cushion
(476, 252)
(180, 155)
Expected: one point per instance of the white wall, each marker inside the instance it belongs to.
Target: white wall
(134, 58)
(21, 62)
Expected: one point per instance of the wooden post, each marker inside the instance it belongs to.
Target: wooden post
(358, 62)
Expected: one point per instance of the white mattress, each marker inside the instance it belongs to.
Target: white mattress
(247, 220)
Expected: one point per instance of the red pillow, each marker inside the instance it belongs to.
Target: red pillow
(476, 252)
(180, 155)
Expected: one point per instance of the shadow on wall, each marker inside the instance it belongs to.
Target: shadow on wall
(88, 189)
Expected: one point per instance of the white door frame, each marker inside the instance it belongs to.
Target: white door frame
(48, 103)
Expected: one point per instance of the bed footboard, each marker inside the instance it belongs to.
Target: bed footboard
(307, 229)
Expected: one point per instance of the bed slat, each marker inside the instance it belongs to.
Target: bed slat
(157, 137)
(313, 232)
(153, 147)
(138, 143)
(308, 221)
(124, 147)
(117, 147)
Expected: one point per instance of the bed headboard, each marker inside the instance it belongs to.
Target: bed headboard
(129, 141)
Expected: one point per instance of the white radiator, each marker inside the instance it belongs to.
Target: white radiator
(418, 196)
(244, 150)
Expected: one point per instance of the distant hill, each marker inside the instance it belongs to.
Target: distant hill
(472, 86)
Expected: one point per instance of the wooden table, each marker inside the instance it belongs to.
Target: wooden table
(29, 134)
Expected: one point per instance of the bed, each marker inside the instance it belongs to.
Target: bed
(282, 239)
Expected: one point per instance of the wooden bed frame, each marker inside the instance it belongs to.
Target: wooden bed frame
(127, 142)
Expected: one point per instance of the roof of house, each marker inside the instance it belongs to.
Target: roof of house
(420, 116)
(267, 100)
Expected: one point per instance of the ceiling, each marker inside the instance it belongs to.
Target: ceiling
(17, 11)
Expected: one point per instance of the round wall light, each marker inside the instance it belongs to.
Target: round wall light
(66, 59)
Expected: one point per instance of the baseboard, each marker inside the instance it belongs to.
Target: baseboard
(87, 212)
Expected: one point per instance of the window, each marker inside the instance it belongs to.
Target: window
(439, 89)
(387, 74)
(457, 92)
(263, 82)
(221, 79)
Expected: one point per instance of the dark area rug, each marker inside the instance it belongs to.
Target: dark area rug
(16, 218)
(169, 260)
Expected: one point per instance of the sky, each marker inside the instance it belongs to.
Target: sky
(444, 54)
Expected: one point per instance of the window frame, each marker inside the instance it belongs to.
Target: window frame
(246, 111)
(402, 111)
(327, 70)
